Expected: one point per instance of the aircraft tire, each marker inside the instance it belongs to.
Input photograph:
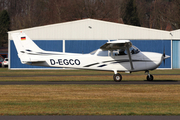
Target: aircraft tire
(117, 77)
(150, 77)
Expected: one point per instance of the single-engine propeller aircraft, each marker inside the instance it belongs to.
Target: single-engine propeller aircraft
(114, 56)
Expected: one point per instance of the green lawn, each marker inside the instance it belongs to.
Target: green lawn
(87, 99)
(90, 100)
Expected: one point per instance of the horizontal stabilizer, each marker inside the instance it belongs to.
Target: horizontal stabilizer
(27, 59)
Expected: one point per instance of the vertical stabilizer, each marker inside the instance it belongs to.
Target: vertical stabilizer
(23, 45)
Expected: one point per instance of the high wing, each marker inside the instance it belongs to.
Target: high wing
(119, 44)
(114, 45)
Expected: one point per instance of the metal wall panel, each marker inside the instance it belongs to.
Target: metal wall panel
(50, 45)
(90, 29)
(83, 46)
(176, 53)
(175, 34)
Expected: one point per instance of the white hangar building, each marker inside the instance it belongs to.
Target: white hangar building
(84, 36)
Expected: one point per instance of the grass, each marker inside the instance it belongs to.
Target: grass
(90, 100)
(87, 99)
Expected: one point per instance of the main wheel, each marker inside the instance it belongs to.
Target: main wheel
(117, 77)
(150, 77)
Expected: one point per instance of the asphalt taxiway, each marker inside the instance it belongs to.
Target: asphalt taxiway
(89, 117)
(163, 82)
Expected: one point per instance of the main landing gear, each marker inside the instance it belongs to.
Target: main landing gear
(149, 76)
(117, 77)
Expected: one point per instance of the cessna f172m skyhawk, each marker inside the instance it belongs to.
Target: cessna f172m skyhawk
(115, 56)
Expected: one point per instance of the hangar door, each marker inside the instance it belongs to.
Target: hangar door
(176, 54)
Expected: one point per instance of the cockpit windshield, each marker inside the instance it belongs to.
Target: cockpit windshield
(134, 50)
(93, 52)
(100, 52)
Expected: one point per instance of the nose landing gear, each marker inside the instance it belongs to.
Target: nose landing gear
(149, 76)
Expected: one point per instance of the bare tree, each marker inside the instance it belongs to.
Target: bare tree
(174, 14)
(29, 13)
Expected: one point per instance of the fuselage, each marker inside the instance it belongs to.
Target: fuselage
(141, 61)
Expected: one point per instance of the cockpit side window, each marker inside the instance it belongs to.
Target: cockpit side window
(119, 52)
(133, 50)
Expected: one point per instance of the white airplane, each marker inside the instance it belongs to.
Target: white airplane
(115, 56)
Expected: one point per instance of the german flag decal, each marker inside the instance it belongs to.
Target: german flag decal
(23, 38)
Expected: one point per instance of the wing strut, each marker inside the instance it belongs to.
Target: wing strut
(129, 54)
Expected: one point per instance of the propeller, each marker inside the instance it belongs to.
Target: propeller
(164, 55)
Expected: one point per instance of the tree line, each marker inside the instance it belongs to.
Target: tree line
(158, 14)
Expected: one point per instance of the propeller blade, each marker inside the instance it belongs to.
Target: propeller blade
(164, 52)
(164, 56)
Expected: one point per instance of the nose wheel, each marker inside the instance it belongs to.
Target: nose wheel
(117, 77)
(149, 76)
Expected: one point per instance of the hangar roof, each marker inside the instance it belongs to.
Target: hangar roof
(91, 29)
(175, 34)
